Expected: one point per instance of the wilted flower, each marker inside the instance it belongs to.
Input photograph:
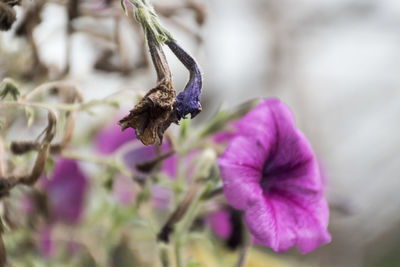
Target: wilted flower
(270, 172)
(188, 101)
(152, 116)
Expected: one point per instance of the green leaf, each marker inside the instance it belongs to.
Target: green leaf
(9, 88)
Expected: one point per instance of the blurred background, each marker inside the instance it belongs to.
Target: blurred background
(335, 63)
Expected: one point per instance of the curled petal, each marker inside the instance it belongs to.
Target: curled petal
(188, 101)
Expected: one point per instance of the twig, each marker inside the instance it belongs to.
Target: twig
(244, 251)
(10, 181)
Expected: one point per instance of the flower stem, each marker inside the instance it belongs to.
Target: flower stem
(184, 225)
(108, 161)
(164, 256)
(147, 18)
(244, 250)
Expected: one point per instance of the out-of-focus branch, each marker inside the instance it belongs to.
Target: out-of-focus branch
(69, 94)
(7, 182)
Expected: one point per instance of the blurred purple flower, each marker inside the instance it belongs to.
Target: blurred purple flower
(269, 171)
(124, 190)
(188, 101)
(220, 224)
(66, 191)
(46, 244)
(227, 224)
(161, 197)
(112, 138)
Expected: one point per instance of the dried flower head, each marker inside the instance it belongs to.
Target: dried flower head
(156, 111)
(153, 114)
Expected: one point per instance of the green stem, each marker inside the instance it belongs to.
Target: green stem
(178, 254)
(164, 256)
(184, 225)
(107, 161)
(147, 17)
(244, 250)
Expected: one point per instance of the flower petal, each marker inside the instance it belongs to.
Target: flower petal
(258, 123)
(111, 138)
(220, 223)
(67, 190)
(283, 220)
(240, 168)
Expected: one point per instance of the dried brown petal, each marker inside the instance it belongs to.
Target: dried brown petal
(157, 110)
(153, 114)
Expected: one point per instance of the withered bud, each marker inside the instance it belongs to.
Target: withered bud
(156, 111)
(7, 16)
(153, 114)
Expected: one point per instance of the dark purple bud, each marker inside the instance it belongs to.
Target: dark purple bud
(188, 101)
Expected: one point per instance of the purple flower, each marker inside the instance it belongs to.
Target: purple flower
(188, 101)
(46, 244)
(111, 138)
(66, 190)
(124, 190)
(220, 224)
(227, 224)
(269, 171)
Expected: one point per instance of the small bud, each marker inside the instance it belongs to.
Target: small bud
(188, 101)
(152, 116)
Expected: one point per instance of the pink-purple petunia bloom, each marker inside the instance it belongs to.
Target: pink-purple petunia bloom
(112, 138)
(66, 190)
(271, 173)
